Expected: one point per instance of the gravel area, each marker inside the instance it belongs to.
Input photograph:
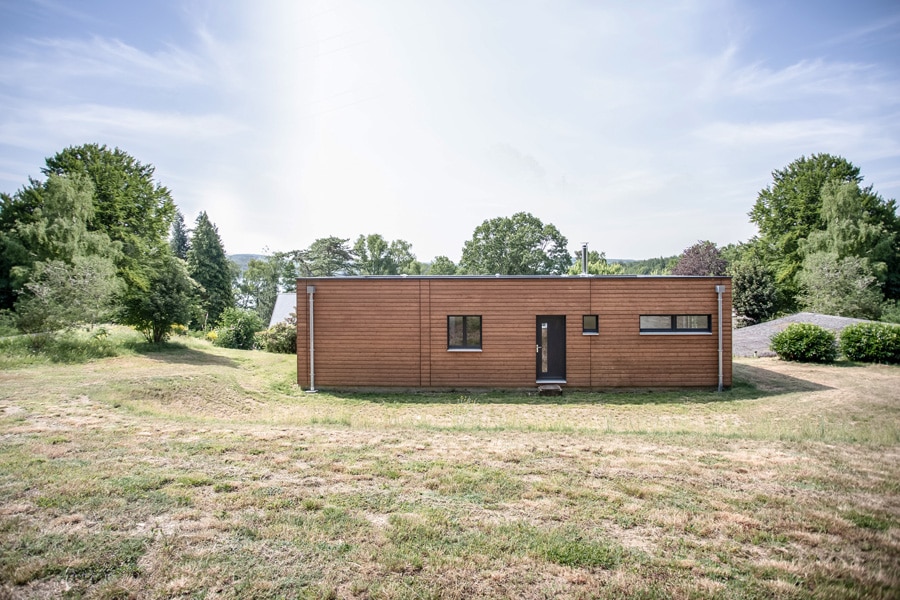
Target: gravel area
(754, 340)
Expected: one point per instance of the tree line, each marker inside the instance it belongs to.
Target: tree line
(98, 239)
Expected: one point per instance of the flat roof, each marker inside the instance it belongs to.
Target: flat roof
(483, 277)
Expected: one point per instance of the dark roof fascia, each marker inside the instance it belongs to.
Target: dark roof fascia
(513, 277)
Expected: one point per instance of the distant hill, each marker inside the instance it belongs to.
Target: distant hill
(242, 260)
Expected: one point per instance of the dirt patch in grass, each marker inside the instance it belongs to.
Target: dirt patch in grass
(208, 475)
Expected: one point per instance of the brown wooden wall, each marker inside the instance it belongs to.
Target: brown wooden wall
(392, 332)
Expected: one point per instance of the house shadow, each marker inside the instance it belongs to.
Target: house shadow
(175, 353)
(770, 382)
(750, 382)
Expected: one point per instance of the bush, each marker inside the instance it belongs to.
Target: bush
(805, 342)
(280, 337)
(890, 311)
(872, 342)
(237, 328)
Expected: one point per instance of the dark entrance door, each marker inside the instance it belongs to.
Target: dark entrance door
(551, 349)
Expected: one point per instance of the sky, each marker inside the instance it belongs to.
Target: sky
(637, 127)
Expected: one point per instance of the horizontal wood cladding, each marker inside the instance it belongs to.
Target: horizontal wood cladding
(392, 332)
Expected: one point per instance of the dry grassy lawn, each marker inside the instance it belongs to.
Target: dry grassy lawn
(197, 472)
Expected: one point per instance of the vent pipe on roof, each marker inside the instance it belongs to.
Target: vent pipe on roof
(584, 258)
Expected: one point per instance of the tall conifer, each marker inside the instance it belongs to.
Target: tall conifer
(208, 266)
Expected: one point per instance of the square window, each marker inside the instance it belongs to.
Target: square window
(464, 332)
(590, 325)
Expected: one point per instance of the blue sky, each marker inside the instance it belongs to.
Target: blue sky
(639, 127)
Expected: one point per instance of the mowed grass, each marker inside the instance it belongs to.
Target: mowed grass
(196, 472)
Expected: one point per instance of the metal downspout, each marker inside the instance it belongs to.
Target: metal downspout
(311, 290)
(719, 290)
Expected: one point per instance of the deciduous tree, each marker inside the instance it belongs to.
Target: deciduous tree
(845, 287)
(753, 289)
(129, 206)
(62, 294)
(517, 245)
(789, 209)
(441, 265)
(703, 258)
(597, 265)
(170, 298)
(377, 256)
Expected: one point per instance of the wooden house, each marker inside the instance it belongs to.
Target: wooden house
(506, 332)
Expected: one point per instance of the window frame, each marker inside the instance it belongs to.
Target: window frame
(465, 333)
(587, 330)
(673, 329)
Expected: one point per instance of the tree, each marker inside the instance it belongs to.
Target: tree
(63, 295)
(20, 209)
(597, 265)
(209, 266)
(375, 256)
(179, 241)
(51, 260)
(839, 286)
(237, 328)
(329, 256)
(170, 298)
(441, 265)
(258, 286)
(651, 266)
(787, 211)
(753, 289)
(128, 205)
(517, 245)
(854, 227)
(703, 258)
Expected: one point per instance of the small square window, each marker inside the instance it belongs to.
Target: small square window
(464, 332)
(590, 325)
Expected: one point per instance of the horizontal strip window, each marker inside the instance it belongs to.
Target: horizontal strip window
(464, 333)
(676, 324)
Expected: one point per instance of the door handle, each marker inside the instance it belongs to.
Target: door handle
(537, 348)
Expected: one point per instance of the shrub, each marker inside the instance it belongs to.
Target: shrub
(281, 337)
(872, 342)
(237, 328)
(805, 342)
(890, 311)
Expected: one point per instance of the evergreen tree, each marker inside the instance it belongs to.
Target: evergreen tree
(209, 266)
(329, 256)
(179, 242)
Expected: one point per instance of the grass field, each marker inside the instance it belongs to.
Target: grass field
(198, 472)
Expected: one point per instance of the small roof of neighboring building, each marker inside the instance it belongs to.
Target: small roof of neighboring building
(285, 304)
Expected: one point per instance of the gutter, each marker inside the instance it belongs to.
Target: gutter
(311, 290)
(720, 289)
